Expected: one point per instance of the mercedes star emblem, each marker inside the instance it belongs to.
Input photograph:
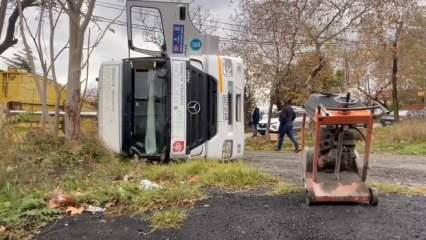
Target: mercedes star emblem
(194, 107)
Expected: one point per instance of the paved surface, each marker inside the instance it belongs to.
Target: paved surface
(384, 168)
(233, 216)
(243, 216)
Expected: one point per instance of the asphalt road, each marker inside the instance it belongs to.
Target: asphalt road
(249, 216)
(236, 216)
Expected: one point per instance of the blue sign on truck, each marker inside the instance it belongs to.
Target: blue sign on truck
(196, 44)
(178, 38)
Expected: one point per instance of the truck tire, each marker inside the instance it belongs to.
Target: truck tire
(309, 158)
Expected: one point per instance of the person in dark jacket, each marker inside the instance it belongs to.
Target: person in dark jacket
(287, 116)
(255, 118)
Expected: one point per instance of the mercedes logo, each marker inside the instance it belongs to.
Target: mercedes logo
(194, 107)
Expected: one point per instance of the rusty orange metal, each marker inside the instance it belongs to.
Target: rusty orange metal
(349, 187)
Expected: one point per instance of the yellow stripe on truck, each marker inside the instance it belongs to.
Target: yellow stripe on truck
(221, 80)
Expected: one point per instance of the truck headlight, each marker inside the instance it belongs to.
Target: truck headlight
(227, 149)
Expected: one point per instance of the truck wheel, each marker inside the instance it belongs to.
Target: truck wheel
(308, 198)
(309, 159)
(374, 198)
(165, 158)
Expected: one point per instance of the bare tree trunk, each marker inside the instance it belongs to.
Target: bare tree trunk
(395, 100)
(10, 39)
(27, 46)
(314, 73)
(39, 47)
(3, 8)
(43, 95)
(395, 63)
(76, 33)
(57, 86)
(271, 104)
(87, 71)
(57, 112)
(72, 106)
(347, 73)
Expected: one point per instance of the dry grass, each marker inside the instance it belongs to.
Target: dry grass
(261, 143)
(285, 189)
(33, 165)
(395, 189)
(169, 219)
(410, 131)
(407, 137)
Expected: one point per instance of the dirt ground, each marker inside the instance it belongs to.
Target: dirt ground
(248, 216)
(384, 168)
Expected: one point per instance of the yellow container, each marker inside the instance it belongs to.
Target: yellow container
(18, 91)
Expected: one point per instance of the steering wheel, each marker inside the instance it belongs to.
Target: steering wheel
(343, 99)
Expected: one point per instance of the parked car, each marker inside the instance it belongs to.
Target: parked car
(389, 119)
(418, 114)
(275, 121)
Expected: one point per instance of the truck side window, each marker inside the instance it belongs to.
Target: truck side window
(230, 100)
(238, 107)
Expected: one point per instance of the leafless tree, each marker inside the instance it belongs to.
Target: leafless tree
(27, 45)
(272, 36)
(389, 48)
(9, 39)
(324, 21)
(78, 23)
(3, 9)
(203, 19)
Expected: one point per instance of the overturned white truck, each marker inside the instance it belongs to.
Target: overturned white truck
(182, 100)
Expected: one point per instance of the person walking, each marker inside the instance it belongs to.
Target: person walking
(255, 118)
(287, 116)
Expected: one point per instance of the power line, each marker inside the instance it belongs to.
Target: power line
(261, 33)
(305, 43)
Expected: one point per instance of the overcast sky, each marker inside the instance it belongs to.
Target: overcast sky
(114, 44)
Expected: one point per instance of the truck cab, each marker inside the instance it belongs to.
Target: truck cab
(179, 102)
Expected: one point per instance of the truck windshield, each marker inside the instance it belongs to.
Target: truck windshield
(149, 119)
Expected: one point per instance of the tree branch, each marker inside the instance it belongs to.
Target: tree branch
(3, 8)
(86, 20)
(10, 39)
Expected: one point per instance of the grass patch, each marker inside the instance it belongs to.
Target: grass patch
(22, 211)
(236, 176)
(263, 143)
(229, 176)
(405, 138)
(33, 166)
(286, 189)
(395, 189)
(168, 219)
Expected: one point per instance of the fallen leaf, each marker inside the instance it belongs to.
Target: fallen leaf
(72, 211)
(2, 230)
(60, 200)
(117, 178)
(127, 177)
(194, 180)
(110, 204)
